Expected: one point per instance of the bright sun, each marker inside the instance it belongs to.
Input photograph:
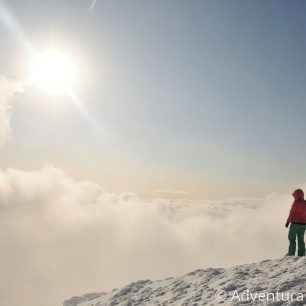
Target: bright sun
(53, 71)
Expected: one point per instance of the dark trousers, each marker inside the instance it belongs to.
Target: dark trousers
(296, 231)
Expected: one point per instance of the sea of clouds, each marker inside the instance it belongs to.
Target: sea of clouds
(60, 237)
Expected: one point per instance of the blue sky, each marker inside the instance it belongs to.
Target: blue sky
(207, 97)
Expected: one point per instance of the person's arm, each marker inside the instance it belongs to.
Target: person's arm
(291, 214)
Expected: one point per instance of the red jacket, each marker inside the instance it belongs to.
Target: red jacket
(298, 212)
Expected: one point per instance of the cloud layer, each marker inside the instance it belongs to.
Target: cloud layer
(8, 89)
(60, 237)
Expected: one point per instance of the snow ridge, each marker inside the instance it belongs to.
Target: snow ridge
(281, 282)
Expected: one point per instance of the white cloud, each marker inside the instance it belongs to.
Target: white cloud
(8, 89)
(60, 238)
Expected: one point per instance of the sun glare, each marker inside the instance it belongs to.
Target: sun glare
(53, 71)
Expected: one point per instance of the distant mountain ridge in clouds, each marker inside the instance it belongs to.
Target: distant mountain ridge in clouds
(269, 282)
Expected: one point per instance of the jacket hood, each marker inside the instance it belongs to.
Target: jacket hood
(298, 194)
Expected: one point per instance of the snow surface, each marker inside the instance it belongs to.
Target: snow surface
(279, 278)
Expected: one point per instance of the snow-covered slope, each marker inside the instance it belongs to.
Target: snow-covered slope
(269, 282)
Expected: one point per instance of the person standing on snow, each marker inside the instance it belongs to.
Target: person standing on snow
(297, 218)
